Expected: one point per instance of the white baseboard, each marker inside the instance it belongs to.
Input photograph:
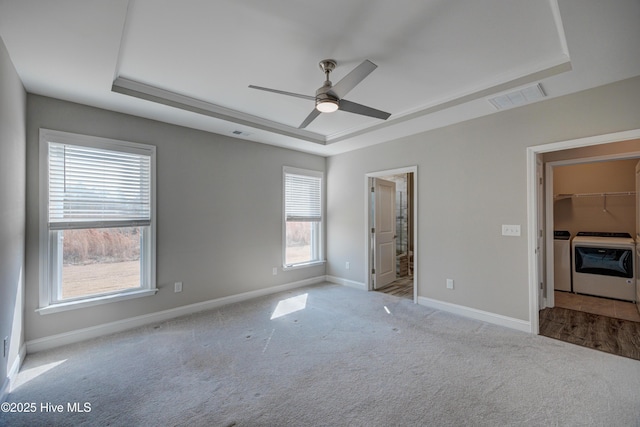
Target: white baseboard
(11, 375)
(485, 316)
(347, 282)
(78, 335)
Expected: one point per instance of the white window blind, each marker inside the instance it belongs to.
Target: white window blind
(96, 187)
(303, 198)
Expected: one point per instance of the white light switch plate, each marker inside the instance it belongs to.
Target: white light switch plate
(510, 230)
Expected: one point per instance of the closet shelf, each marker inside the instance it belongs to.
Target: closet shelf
(562, 196)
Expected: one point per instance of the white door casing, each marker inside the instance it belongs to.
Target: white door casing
(637, 202)
(638, 235)
(533, 201)
(385, 233)
(543, 290)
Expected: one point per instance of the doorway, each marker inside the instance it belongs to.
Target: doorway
(541, 282)
(592, 208)
(391, 244)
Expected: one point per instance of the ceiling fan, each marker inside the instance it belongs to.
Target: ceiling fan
(329, 97)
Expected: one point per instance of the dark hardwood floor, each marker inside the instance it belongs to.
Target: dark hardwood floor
(402, 287)
(616, 336)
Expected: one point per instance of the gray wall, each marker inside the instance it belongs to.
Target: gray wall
(471, 179)
(219, 212)
(12, 210)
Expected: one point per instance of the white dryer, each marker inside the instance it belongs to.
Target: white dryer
(604, 265)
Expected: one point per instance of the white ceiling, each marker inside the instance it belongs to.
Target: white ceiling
(438, 60)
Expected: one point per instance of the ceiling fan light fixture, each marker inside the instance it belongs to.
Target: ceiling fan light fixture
(330, 98)
(327, 105)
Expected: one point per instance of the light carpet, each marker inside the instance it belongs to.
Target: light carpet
(348, 358)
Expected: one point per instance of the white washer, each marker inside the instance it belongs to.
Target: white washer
(604, 265)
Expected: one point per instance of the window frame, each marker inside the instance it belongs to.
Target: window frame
(318, 233)
(50, 271)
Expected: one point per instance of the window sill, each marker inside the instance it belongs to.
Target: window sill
(303, 265)
(89, 302)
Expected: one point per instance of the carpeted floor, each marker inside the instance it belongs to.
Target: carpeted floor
(327, 355)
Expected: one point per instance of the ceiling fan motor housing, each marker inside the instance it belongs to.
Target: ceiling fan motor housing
(325, 102)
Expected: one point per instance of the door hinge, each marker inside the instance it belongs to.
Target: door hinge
(373, 230)
(540, 285)
(373, 271)
(373, 190)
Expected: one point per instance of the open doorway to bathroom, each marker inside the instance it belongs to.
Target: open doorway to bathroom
(392, 233)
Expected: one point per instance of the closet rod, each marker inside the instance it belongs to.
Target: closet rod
(606, 194)
(618, 193)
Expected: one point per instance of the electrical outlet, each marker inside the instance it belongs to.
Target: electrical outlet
(347, 265)
(275, 271)
(510, 230)
(177, 287)
(449, 283)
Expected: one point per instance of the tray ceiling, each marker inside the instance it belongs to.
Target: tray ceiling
(191, 62)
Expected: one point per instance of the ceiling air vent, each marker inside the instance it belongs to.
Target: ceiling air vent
(517, 98)
(240, 133)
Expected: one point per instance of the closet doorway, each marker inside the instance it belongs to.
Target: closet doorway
(615, 146)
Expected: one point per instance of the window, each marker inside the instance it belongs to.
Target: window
(97, 220)
(302, 217)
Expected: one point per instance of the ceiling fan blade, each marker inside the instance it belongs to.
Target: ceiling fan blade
(281, 92)
(350, 81)
(352, 107)
(311, 117)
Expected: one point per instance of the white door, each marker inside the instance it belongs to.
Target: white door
(385, 233)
